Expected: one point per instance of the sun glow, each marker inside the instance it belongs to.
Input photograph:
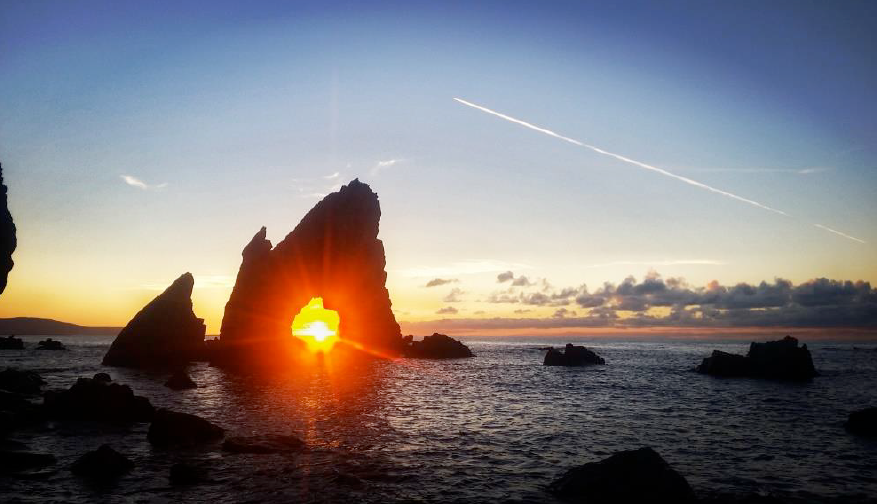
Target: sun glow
(317, 326)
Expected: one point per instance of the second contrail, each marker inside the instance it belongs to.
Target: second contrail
(643, 165)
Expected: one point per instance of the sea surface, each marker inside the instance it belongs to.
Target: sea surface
(495, 428)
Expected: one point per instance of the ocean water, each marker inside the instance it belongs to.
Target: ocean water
(495, 428)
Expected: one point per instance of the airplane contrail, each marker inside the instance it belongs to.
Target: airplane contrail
(644, 165)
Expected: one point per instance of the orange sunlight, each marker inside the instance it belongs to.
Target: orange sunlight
(317, 326)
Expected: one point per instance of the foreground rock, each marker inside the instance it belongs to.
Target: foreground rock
(186, 474)
(7, 236)
(15, 461)
(572, 356)
(21, 381)
(634, 476)
(863, 422)
(165, 333)
(333, 253)
(17, 411)
(50, 344)
(437, 346)
(170, 428)
(782, 359)
(98, 399)
(180, 381)
(271, 443)
(11, 343)
(104, 463)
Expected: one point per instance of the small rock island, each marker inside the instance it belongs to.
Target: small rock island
(781, 360)
(572, 355)
(437, 346)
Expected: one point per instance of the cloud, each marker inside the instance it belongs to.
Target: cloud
(453, 296)
(525, 310)
(332, 176)
(384, 165)
(521, 281)
(447, 310)
(504, 276)
(436, 282)
(136, 182)
(563, 313)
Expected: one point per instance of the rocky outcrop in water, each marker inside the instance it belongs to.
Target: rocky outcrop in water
(437, 346)
(21, 381)
(180, 381)
(98, 399)
(572, 356)
(333, 253)
(626, 477)
(165, 333)
(782, 359)
(50, 344)
(7, 236)
(105, 463)
(863, 422)
(170, 428)
(11, 343)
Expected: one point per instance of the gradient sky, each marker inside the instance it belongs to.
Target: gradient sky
(226, 116)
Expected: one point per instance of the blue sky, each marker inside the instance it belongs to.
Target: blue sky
(235, 115)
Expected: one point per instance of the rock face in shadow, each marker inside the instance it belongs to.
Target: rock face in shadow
(170, 428)
(782, 360)
(437, 346)
(626, 477)
(98, 399)
(164, 333)
(7, 236)
(863, 422)
(333, 253)
(104, 463)
(572, 356)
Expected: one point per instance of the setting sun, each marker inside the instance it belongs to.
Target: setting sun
(317, 326)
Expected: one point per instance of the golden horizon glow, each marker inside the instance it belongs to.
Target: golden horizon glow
(317, 326)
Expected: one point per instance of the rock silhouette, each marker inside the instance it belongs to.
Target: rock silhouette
(333, 253)
(170, 428)
(863, 422)
(104, 463)
(626, 477)
(98, 399)
(21, 381)
(180, 381)
(164, 333)
(11, 343)
(782, 359)
(50, 344)
(7, 236)
(572, 355)
(437, 346)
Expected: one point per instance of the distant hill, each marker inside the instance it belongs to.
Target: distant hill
(28, 326)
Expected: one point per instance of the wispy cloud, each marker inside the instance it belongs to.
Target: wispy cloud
(136, 182)
(384, 165)
(642, 165)
(835, 231)
(436, 282)
(448, 310)
(471, 267)
(667, 262)
(332, 176)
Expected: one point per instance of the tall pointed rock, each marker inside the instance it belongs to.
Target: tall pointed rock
(333, 253)
(164, 333)
(7, 236)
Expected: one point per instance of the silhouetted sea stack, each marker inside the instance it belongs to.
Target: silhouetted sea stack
(7, 236)
(333, 253)
(634, 476)
(572, 356)
(782, 359)
(437, 346)
(165, 333)
(863, 422)
(98, 399)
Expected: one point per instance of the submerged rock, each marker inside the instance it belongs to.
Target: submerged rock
(21, 381)
(170, 428)
(165, 333)
(11, 343)
(50, 344)
(572, 356)
(104, 463)
(180, 381)
(15, 461)
(187, 474)
(333, 253)
(7, 236)
(626, 477)
(437, 346)
(270, 443)
(782, 359)
(97, 399)
(863, 422)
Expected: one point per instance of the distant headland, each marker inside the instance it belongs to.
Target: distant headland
(29, 326)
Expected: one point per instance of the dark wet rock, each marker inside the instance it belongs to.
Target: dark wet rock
(183, 473)
(21, 381)
(180, 381)
(11, 343)
(634, 476)
(11, 445)
(170, 428)
(165, 333)
(437, 346)
(104, 463)
(102, 377)
(7, 236)
(863, 422)
(333, 253)
(572, 356)
(97, 399)
(50, 344)
(17, 411)
(15, 461)
(271, 443)
(782, 359)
